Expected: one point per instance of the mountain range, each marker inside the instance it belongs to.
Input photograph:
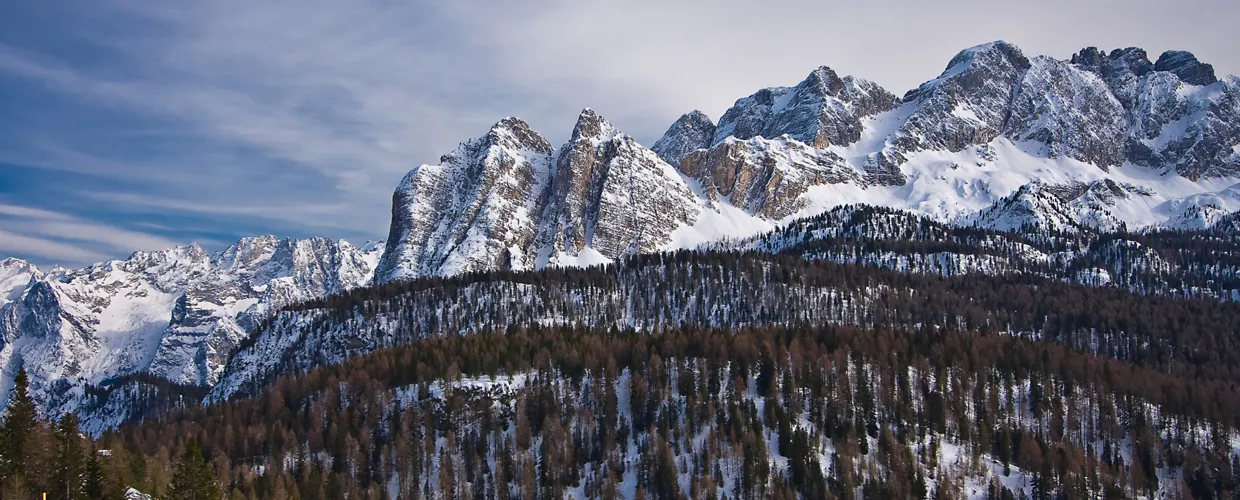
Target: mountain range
(1101, 143)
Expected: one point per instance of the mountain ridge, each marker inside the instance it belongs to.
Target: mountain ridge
(1102, 142)
(175, 314)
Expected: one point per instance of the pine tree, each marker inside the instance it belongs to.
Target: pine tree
(194, 479)
(94, 485)
(70, 469)
(19, 421)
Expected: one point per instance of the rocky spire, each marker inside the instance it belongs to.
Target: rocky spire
(693, 131)
(1186, 66)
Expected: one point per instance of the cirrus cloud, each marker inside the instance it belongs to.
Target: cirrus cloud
(221, 119)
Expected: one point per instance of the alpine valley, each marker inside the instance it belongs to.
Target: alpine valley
(968, 253)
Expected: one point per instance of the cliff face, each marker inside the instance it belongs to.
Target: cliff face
(509, 201)
(176, 314)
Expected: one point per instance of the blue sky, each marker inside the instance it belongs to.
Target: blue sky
(129, 125)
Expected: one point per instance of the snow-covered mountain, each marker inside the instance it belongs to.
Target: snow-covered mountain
(176, 314)
(508, 200)
(1101, 141)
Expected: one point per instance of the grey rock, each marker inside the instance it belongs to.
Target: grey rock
(765, 177)
(1186, 66)
(509, 201)
(1070, 111)
(1072, 207)
(177, 313)
(475, 211)
(966, 105)
(612, 194)
(691, 132)
(821, 111)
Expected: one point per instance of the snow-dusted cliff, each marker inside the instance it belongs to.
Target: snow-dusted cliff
(176, 314)
(1101, 141)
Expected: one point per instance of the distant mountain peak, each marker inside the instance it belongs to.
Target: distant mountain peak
(1185, 65)
(592, 126)
(692, 131)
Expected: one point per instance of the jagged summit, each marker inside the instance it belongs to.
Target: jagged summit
(821, 111)
(593, 127)
(176, 313)
(692, 131)
(1186, 66)
(522, 204)
(993, 122)
(1004, 140)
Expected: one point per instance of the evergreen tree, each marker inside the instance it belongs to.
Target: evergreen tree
(94, 484)
(70, 467)
(194, 479)
(15, 430)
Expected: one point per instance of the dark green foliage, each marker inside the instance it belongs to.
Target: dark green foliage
(70, 469)
(95, 485)
(194, 479)
(850, 384)
(36, 457)
(16, 433)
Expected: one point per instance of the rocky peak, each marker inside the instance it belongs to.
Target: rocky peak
(1131, 60)
(966, 105)
(1122, 69)
(692, 131)
(509, 135)
(475, 210)
(247, 252)
(515, 133)
(15, 275)
(612, 195)
(823, 81)
(823, 110)
(1070, 111)
(176, 313)
(593, 127)
(1071, 207)
(765, 177)
(1186, 66)
(977, 67)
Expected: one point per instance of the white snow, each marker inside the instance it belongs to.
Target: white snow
(116, 318)
(965, 113)
(587, 257)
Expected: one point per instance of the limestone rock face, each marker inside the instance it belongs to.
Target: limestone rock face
(611, 194)
(1070, 111)
(177, 313)
(15, 276)
(693, 131)
(1177, 115)
(475, 211)
(1122, 70)
(821, 111)
(765, 177)
(509, 200)
(1186, 66)
(966, 105)
(1059, 207)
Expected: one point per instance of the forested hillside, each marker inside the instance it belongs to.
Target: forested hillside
(825, 412)
(862, 353)
(736, 290)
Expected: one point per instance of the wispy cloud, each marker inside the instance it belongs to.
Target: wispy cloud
(299, 117)
(48, 237)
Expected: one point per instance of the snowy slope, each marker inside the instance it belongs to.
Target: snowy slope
(507, 200)
(15, 276)
(1103, 141)
(176, 313)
